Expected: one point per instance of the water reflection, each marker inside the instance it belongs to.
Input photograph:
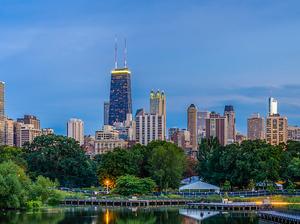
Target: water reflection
(97, 215)
(197, 214)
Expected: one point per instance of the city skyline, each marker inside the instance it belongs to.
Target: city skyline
(64, 72)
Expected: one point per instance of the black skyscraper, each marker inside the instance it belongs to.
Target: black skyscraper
(120, 95)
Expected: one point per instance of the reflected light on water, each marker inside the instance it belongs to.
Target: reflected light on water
(107, 219)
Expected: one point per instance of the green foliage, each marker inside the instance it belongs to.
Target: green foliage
(42, 189)
(226, 186)
(131, 185)
(61, 158)
(18, 191)
(251, 185)
(164, 162)
(290, 187)
(243, 165)
(14, 154)
(118, 163)
(34, 204)
(14, 186)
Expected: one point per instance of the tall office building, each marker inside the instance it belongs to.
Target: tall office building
(273, 106)
(217, 127)
(75, 129)
(2, 119)
(9, 132)
(277, 129)
(30, 119)
(230, 116)
(256, 127)
(149, 127)
(294, 133)
(120, 101)
(106, 113)
(158, 104)
(201, 123)
(192, 125)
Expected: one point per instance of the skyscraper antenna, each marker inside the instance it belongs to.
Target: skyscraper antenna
(125, 54)
(116, 52)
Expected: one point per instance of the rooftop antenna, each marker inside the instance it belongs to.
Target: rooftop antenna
(116, 52)
(125, 54)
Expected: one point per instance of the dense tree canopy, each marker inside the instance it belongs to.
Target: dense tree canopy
(14, 186)
(164, 162)
(131, 185)
(61, 158)
(14, 154)
(248, 162)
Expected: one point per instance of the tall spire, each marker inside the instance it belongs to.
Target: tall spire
(125, 54)
(116, 52)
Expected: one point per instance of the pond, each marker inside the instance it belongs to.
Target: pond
(98, 215)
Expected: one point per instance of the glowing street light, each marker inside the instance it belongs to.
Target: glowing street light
(107, 184)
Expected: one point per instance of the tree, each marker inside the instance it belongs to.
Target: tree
(61, 158)
(254, 161)
(227, 186)
(119, 162)
(294, 169)
(14, 186)
(166, 164)
(131, 185)
(14, 154)
(42, 189)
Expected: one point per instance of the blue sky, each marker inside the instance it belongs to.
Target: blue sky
(56, 56)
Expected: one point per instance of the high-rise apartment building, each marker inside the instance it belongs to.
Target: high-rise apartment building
(201, 123)
(9, 131)
(276, 129)
(217, 127)
(256, 127)
(158, 104)
(192, 126)
(149, 127)
(294, 133)
(75, 129)
(106, 113)
(230, 116)
(2, 119)
(17, 133)
(24, 133)
(30, 119)
(273, 106)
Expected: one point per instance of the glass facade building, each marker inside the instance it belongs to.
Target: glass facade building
(120, 102)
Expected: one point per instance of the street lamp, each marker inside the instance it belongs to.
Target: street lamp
(107, 183)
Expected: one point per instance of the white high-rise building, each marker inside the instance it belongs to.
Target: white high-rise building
(273, 106)
(75, 129)
(149, 127)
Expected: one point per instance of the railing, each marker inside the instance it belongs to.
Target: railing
(261, 193)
